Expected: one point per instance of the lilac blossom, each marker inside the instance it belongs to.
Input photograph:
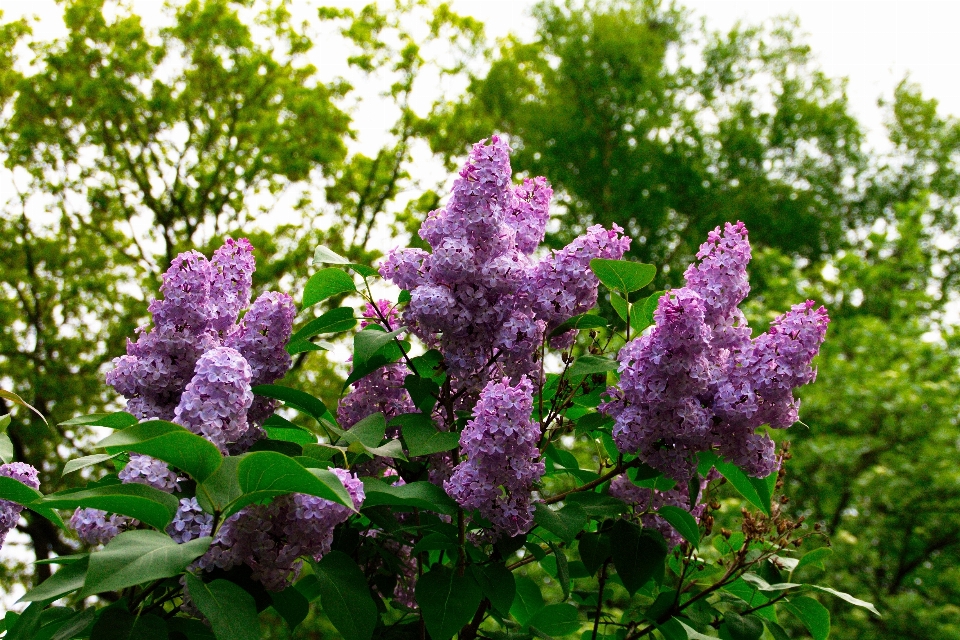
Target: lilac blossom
(502, 459)
(381, 391)
(190, 522)
(479, 296)
(697, 380)
(143, 469)
(270, 539)
(94, 526)
(216, 400)
(10, 511)
(233, 267)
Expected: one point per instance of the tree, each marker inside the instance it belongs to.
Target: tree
(640, 118)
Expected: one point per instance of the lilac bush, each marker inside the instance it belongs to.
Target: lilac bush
(493, 418)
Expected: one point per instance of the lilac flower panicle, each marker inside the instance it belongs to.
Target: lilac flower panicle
(698, 381)
(10, 511)
(190, 522)
(94, 526)
(186, 303)
(381, 391)
(215, 402)
(233, 266)
(143, 469)
(502, 459)
(270, 539)
(479, 295)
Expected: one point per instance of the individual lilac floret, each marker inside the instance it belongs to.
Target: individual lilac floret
(662, 374)
(94, 526)
(233, 265)
(215, 402)
(10, 511)
(563, 284)
(502, 459)
(190, 522)
(646, 501)
(150, 471)
(271, 538)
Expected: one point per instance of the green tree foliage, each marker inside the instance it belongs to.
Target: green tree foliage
(641, 118)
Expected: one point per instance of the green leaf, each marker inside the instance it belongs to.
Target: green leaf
(594, 550)
(564, 523)
(303, 346)
(324, 284)
(743, 484)
(812, 614)
(778, 632)
(222, 488)
(190, 628)
(849, 598)
(638, 554)
(291, 605)
(527, 602)
(597, 506)
(370, 341)
(333, 321)
(86, 461)
(582, 321)
(323, 255)
(345, 596)
(293, 398)
(434, 542)
(586, 365)
(369, 431)
(682, 521)
(26, 624)
(497, 584)
(168, 442)
(4, 422)
(12, 397)
(423, 391)
(6, 448)
(75, 625)
(116, 623)
(148, 505)
(743, 627)
(676, 628)
(447, 601)
(619, 305)
(287, 434)
(135, 557)
(231, 611)
(421, 494)
(641, 314)
(563, 569)
(267, 474)
(117, 420)
(68, 578)
(814, 558)
(556, 619)
(421, 436)
(623, 275)
(16, 491)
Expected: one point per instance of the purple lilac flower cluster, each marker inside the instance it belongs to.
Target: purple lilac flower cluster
(190, 522)
(645, 501)
(479, 294)
(502, 459)
(10, 511)
(698, 381)
(271, 538)
(197, 364)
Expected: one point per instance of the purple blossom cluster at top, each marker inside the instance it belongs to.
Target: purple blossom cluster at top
(502, 459)
(479, 293)
(271, 538)
(10, 511)
(95, 526)
(197, 364)
(699, 381)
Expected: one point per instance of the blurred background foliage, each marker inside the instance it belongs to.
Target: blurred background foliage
(124, 144)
